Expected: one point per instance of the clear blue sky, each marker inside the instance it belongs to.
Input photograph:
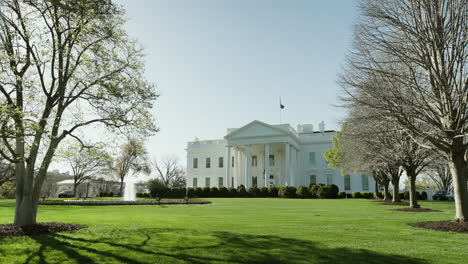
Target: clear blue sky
(220, 63)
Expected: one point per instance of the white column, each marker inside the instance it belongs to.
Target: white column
(267, 165)
(228, 166)
(236, 167)
(247, 166)
(286, 164)
(293, 166)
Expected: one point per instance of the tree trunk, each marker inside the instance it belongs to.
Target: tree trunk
(121, 187)
(396, 189)
(386, 193)
(457, 165)
(74, 190)
(376, 189)
(413, 195)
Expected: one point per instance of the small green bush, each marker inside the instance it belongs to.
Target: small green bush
(356, 195)
(302, 192)
(214, 192)
(333, 191)
(341, 195)
(263, 191)
(205, 192)
(198, 192)
(232, 192)
(423, 196)
(273, 191)
(314, 189)
(406, 195)
(190, 192)
(254, 192)
(324, 192)
(287, 192)
(241, 191)
(223, 192)
(156, 187)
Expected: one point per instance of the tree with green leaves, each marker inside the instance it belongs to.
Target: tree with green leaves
(65, 66)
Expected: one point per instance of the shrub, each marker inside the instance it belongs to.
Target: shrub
(356, 195)
(214, 192)
(341, 195)
(241, 191)
(263, 191)
(198, 192)
(302, 192)
(323, 192)
(178, 192)
(205, 192)
(253, 192)
(190, 192)
(223, 192)
(156, 187)
(142, 195)
(7, 190)
(287, 192)
(424, 196)
(406, 195)
(314, 189)
(333, 191)
(232, 192)
(401, 195)
(273, 191)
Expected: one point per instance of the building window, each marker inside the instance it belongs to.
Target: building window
(329, 178)
(207, 182)
(312, 159)
(254, 181)
(220, 162)
(272, 160)
(220, 181)
(208, 162)
(313, 179)
(272, 180)
(232, 162)
(195, 182)
(347, 183)
(195, 163)
(254, 161)
(232, 182)
(365, 183)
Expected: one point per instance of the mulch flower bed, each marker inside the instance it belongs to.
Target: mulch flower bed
(392, 203)
(8, 230)
(445, 226)
(421, 210)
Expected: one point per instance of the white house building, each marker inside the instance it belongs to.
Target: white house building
(263, 155)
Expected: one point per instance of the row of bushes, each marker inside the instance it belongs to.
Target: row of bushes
(106, 194)
(405, 195)
(314, 191)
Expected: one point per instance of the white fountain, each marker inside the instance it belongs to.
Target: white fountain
(129, 192)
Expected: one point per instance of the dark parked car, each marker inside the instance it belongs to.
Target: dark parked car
(66, 194)
(442, 195)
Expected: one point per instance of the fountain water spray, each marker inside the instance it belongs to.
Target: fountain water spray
(129, 192)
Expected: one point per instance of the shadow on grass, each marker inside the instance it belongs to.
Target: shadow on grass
(189, 246)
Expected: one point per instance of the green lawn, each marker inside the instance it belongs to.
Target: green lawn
(239, 231)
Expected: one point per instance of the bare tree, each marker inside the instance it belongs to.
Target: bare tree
(64, 66)
(439, 173)
(409, 60)
(133, 158)
(87, 163)
(170, 171)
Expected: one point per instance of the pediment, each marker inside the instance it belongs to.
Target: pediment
(255, 129)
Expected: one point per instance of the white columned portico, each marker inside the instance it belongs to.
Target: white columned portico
(267, 165)
(228, 166)
(286, 164)
(247, 166)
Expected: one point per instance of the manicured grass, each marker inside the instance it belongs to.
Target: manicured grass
(239, 231)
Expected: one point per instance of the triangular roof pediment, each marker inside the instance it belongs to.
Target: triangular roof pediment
(256, 129)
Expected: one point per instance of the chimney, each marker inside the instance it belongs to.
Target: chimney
(322, 127)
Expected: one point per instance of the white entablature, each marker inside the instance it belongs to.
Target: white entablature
(259, 154)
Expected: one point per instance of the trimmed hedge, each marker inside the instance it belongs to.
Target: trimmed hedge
(341, 195)
(287, 192)
(302, 192)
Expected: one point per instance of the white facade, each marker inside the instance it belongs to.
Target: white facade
(263, 155)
